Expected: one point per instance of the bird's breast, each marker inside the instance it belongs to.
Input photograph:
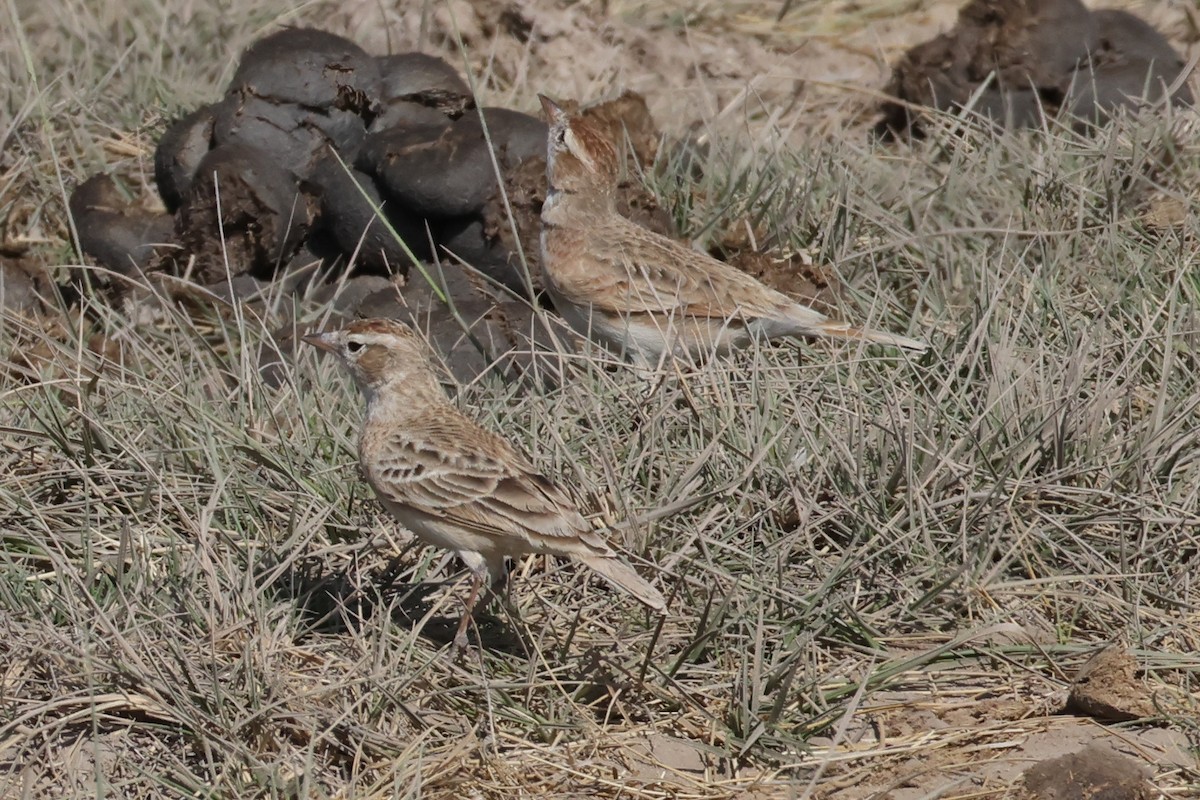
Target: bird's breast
(552, 207)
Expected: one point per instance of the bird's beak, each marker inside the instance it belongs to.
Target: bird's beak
(323, 341)
(552, 109)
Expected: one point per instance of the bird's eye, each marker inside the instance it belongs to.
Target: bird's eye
(354, 347)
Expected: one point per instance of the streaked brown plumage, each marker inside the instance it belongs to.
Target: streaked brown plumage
(639, 292)
(449, 481)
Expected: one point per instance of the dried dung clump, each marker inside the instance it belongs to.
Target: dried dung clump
(1018, 62)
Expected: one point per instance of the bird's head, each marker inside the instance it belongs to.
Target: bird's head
(580, 155)
(379, 353)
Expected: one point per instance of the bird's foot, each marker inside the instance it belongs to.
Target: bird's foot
(460, 646)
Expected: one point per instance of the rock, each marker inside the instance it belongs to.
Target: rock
(385, 156)
(282, 173)
(487, 330)
(274, 128)
(407, 114)
(406, 76)
(1025, 46)
(1133, 66)
(1027, 42)
(234, 294)
(119, 236)
(295, 136)
(346, 296)
(242, 288)
(1019, 108)
(515, 135)
(316, 260)
(1127, 37)
(496, 245)
(277, 354)
(183, 144)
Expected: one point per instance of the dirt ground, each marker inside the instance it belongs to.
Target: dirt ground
(995, 735)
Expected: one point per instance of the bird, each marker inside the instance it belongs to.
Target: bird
(641, 293)
(450, 481)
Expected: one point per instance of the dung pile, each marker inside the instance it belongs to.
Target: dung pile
(311, 138)
(321, 154)
(1020, 61)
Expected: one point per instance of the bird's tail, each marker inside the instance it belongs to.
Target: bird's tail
(842, 330)
(621, 575)
(803, 321)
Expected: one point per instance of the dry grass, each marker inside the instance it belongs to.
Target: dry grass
(198, 598)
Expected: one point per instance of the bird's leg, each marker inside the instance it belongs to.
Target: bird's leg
(684, 387)
(499, 589)
(487, 570)
(460, 637)
(494, 571)
(650, 374)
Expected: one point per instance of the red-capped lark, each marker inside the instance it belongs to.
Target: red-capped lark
(449, 481)
(638, 292)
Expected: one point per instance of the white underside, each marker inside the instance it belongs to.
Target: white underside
(478, 551)
(647, 337)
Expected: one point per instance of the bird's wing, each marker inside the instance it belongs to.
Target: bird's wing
(631, 270)
(451, 469)
(638, 271)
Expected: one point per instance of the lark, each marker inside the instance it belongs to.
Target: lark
(449, 481)
(641, 293)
